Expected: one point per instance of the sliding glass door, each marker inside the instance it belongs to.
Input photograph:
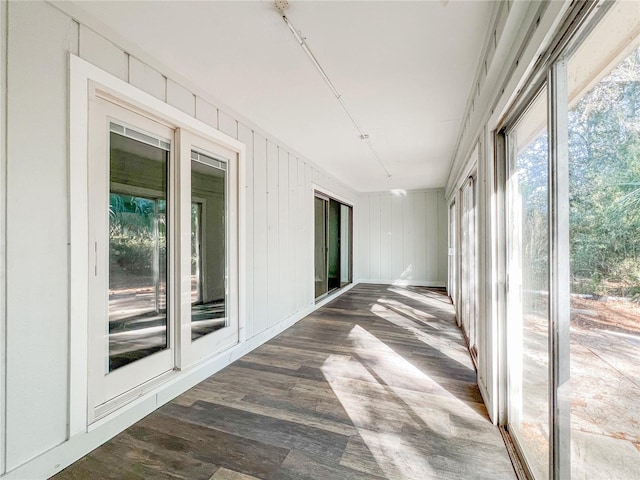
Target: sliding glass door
(573, 256)
(603, 161)
(528, 294)
(163, 252)
(452, 263)
(321, 207)
(333, 251)
(132, 331)
(469, 271)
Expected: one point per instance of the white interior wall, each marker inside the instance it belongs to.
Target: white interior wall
(279, 216)
(402, 238)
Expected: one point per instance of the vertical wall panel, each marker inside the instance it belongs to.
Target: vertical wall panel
(431, 264)
(309, 265)
(39, 38)
(397, 240)
(147, 79)
(292, 235)
(421, 235)
(374, 237)
(362, 254)
(283, 231)
(104, 54)
(408, 225)
(273, 239)
(227, 124)
(386, 227)
(181, 98)
(207, 113)
(302, 240)
(442, 236)
(402, 238)
(245, 135)
(260, 234)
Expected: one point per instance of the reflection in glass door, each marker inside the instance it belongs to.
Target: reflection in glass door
(333, 245)
(208, 252)
(138, 177)
(452, 253)
(130, 329)
(345, 245)
(320, 228)
(468, 282)
(333, 240)
(528, 288)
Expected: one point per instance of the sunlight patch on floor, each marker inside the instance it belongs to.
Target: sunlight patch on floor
(386, 397)
(449, 349)
(431, 299)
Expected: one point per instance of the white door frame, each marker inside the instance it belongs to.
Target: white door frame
(81, 74)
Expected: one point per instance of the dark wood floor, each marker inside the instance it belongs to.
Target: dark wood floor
(375, 385)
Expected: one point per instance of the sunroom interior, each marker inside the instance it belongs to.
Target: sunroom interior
(395, 233)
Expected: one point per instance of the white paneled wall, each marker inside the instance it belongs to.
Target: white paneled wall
(37, 309)
(402, 238)
(279, 221)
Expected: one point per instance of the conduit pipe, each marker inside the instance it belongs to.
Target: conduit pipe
(281, 6)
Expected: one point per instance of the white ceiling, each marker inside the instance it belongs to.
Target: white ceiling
(404, 69)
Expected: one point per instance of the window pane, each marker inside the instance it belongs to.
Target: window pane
(345, 245)
(137, 250)
(333, 245)
(208, 254)
(604, 187)
(528, 315)
(320, 229)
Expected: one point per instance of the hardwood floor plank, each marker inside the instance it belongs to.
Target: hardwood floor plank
(235, 452)
(272, 431)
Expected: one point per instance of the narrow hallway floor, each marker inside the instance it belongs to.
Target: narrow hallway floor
(377, 384)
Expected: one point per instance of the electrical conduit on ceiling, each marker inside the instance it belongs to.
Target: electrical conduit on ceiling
(282, 6)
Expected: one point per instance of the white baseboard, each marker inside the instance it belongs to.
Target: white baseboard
(56, 459)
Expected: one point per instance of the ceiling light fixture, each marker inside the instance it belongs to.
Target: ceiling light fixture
(282, 6)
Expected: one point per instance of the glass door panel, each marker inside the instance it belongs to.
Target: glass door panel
(345, 245)
(208, 252)
(320, 255)
(528, 288)
(137, 250)
(465, 251)
(469, 266)
(333, 245)
(603, 77)
(130, 326)
(452, 253)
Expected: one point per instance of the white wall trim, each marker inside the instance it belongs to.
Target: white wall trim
(58, 458)
(81, 72)
(317, 188)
